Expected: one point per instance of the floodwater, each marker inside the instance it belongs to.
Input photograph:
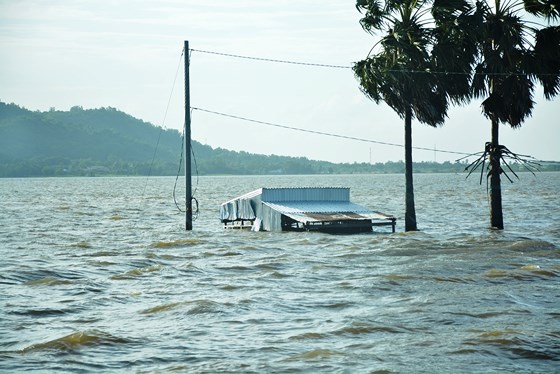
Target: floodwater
(98, 274)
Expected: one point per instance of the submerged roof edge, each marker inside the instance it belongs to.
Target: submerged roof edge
(277, 194)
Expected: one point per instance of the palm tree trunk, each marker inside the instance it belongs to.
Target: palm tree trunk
(410, 211)
(496, 214)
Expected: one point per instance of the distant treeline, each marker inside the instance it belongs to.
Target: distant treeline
(105, 141)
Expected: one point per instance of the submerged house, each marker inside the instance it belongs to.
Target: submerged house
(301, 209)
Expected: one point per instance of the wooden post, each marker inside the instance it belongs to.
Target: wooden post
(188, 177)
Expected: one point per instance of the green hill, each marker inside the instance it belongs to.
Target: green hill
(110, 142)
(107, 141)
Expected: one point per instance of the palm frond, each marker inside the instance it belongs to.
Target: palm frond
(448, 10)
(511, 100)
(504, 154)
(547, 60)
(479, 87)
(549, 9)
(374, 15)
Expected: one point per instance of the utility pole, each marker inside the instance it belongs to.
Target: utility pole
(188, 177)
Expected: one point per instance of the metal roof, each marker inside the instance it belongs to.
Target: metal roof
(246, 196)
(286, 207)
(322, 211)
(329, 206)
(305, 194)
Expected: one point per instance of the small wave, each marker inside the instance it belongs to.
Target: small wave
(81, 244)
(531, 245)
(452, 280)
(275, 275)
(102, 254)
(314, 354)
(470, 351)
(525, 272)
(308, 336)
(189, 268)
(231, 254)
(537, 270)
(87, 214)
(230, 287)
(102, 263)
(203, 307)
(498, 333)
(235, 268)
(39, 312)
(494, 337)
(398, 277)
(333, 304)
(161, 308)
(77, 340)
(165, 256)
(360, 329)
(485, 315)
(49, 281)
(496, 273)
(41, 274)
(134, 273)
(515, 343)
(175, 243)
(194, 307)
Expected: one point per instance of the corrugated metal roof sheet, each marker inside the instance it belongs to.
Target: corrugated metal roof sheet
(305, 194)
(316, 207)
(246, 196)
(304, 211)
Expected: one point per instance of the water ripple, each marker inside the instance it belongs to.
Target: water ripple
(93, 280)
(77, 340)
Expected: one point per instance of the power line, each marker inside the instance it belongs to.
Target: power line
(324, 133)
(272, 60)
(404, 71)
(344, 67)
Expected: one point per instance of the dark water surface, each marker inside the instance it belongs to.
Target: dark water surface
(98, 274)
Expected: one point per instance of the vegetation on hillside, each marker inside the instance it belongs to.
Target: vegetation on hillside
(106, 141)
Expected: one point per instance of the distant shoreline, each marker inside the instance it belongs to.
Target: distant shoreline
(108, 142)
(249, 175)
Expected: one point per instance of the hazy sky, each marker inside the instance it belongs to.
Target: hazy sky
(125, 54)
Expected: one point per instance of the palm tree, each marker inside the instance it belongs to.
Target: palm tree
(400, 72)
(510, 56)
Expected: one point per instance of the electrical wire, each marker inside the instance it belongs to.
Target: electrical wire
(179, 172)
(196, 211)
(341, 67)
(405, 71)
(161, 130)
(272, 60)
(325, 65)
(326, 133)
